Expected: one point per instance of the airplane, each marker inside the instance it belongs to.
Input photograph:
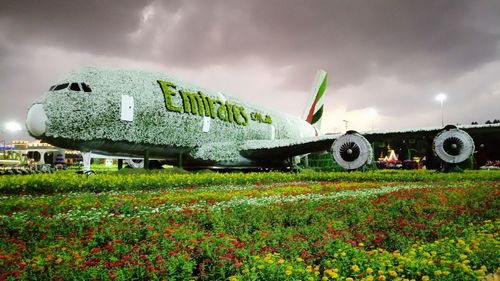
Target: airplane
(152, 116)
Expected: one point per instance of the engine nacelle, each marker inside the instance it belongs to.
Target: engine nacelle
(453, 145)
(351, 151)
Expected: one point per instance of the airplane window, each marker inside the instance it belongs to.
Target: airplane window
(52, 87)
(61, 86)
(74, 87)
(86, 88)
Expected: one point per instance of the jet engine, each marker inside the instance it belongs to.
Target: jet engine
(453, 145)
(351, 151)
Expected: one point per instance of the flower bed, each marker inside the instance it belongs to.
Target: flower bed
(283, 230)
(70, 182)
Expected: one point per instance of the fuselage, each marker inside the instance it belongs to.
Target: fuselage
(128, 113)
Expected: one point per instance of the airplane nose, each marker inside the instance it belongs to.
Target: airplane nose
(36, 120)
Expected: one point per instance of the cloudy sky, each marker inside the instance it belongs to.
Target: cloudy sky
(391, 55)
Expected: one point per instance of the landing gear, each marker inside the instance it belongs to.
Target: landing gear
(87, 159)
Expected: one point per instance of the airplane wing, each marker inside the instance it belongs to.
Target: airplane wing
(384, 135)
(285, 148)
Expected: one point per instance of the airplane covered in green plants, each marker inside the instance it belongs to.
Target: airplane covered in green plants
(148, 115)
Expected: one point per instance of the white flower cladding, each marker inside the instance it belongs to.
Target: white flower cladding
(128, 113)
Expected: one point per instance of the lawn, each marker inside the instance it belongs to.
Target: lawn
(383, 225)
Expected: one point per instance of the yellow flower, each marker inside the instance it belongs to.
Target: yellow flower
(393, 273)
(245, 271)
(281, 261)
(369, 270)
(369, 278)
(332, 273)
(425, 278)
(288, 272)
(324, 278)
(233, 278)
(438, 272)
(381, 278)
(349, 279)
(361, 244)
(299, 259)
(355, 268)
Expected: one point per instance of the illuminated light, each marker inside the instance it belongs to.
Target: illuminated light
(441, 97)
(372, 111)
(13, 126)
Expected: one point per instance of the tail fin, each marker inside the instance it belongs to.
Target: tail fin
(314, 109)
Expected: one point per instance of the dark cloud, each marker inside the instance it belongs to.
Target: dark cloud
(416, 40)
(93, 26)
(387, 53)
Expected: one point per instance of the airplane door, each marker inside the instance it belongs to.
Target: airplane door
(127, 108)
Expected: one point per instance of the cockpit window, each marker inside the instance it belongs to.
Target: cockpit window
(86, 88)
(61, 86)
(74, 87)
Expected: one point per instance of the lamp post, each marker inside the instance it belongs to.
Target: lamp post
(3, 147)
(10, 126)
(441, 98)
(346, 122)
(372, 113)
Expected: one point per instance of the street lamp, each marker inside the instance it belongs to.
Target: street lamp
(441, 98)
(372, 112)
(3, 147)
(346, 122)
(10, 126)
